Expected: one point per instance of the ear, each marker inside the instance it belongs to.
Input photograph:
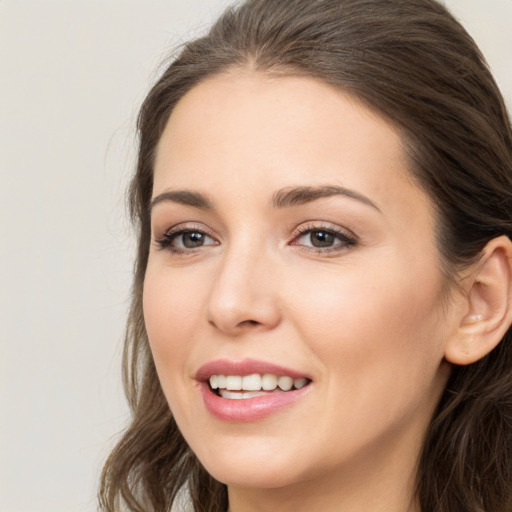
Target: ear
(488, 309)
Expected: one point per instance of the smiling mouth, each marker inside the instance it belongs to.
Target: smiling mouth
(237, 387)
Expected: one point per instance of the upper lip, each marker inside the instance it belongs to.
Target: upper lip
(244, 367)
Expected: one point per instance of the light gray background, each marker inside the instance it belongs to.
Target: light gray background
(72, 74)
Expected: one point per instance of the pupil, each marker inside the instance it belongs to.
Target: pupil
(191, 240)
(321, 239)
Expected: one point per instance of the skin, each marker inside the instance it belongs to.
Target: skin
(367, 321)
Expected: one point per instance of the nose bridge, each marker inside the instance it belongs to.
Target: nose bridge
(243, 294)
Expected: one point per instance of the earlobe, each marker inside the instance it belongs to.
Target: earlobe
(488, 312)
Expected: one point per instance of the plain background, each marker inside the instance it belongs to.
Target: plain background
(72, 74)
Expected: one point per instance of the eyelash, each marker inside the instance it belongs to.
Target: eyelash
(169, 237)
(345, 241)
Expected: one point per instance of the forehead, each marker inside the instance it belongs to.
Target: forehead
(275, 131)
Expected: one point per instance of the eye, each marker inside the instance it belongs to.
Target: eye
(181, 240)
(319, 239)
(323, 239)
(191, 240)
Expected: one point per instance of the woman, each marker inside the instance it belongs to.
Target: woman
(322, 294)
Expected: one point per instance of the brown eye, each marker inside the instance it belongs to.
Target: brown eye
(321, 239)
(185, 239)
(324, 240)
(192, 239)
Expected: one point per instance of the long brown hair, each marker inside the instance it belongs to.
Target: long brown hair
(412, 62)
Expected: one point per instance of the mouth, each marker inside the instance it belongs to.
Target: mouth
(242, 387)
(249, 390)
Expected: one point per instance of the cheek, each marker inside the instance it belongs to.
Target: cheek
(376, 323)
(172, 307)
(376, 338)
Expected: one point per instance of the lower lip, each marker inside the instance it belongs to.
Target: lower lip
(248, 409)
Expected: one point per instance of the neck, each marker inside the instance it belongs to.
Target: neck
(379, 481)
(373, 498)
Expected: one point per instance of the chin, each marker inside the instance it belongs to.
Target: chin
(261, 477)
(256, 470)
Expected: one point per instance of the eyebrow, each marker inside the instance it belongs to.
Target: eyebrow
(284, 198)
(295, 196)
(185, 197)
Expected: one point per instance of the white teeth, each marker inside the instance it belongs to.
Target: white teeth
(233, 382)
(251, 382)
(255, 382)
(237, 395)
(269, 382)
(285, 383)
(299, 383)
(224, 393)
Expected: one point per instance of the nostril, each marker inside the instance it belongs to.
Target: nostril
(244, 323)
(249, 322)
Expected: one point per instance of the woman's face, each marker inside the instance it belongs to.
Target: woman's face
(290, 246)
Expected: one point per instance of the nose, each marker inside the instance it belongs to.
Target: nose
(244, 294)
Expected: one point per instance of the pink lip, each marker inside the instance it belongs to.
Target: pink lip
(245, 367)
(249, 409)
